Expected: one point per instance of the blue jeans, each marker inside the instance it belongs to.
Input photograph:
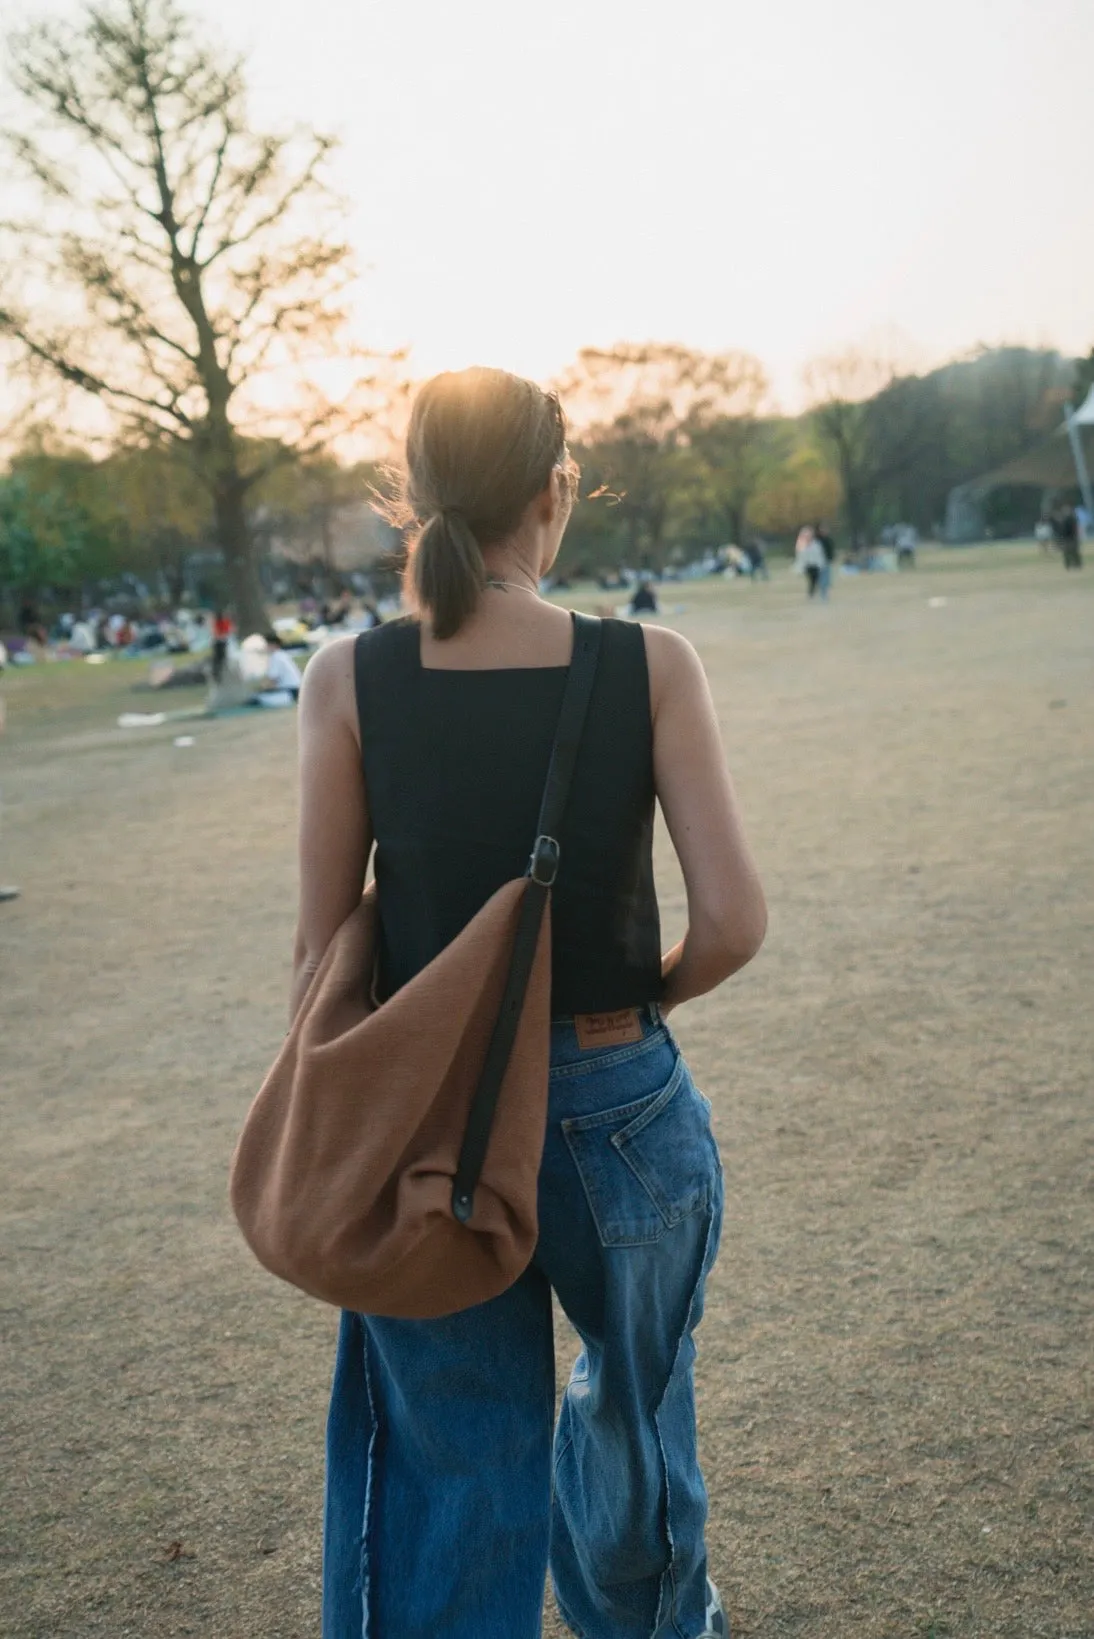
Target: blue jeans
(448, 1492)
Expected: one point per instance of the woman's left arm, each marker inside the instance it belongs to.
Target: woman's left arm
(335, 829)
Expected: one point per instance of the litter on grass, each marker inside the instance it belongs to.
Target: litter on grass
(141, 719)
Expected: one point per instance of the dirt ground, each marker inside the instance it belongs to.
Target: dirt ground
(896, 1406)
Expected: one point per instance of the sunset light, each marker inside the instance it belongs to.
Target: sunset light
(784, 178)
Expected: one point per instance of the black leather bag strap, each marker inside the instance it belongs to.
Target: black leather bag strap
(542, 870)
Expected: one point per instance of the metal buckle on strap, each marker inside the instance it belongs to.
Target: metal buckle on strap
(543, 865)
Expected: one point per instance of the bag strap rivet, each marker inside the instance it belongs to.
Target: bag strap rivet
(543, 865)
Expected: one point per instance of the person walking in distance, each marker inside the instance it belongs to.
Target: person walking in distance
(6, 892)
(757, 559)
(1070, 542)
(222, 632)
(448, 1491)
(827, 544)
(810, 559)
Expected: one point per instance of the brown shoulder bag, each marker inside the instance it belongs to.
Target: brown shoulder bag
(389, 1163)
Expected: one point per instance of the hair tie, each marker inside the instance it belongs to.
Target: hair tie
(450, 512)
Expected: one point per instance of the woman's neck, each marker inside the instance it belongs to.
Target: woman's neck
(497, 584)
(513, 568)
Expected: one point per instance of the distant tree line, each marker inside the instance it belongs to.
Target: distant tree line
(680, 455)
(72, 525)
(681, 452)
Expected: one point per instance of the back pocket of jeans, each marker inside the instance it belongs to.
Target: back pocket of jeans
(647, 1165)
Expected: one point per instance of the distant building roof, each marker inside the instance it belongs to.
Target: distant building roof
(1049, 465)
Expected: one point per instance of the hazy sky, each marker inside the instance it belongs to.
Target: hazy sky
(784, 176)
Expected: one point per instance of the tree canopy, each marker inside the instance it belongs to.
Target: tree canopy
(669, 440)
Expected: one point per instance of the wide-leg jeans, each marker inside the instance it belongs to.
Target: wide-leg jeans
(450, 1489)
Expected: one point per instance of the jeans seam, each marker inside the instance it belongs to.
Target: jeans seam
(609, 1238)
(609, 1061)
(671, 1214)
(584, 1188)
(370, 1476)
(646, 1107)
(652, 1110)
(670, 1573)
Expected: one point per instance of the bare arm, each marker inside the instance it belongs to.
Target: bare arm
(335, 830)
(727, 916)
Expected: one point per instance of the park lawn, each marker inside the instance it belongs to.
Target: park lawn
(894, 1366)
(60, 698)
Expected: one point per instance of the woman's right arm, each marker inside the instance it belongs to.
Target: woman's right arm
(727, 916)
(335, 828)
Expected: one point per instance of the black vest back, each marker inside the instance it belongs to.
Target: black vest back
(454, 765)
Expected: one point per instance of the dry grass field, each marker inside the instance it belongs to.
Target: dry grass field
(895, 1375)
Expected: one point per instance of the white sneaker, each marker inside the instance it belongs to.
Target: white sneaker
(717, 1621)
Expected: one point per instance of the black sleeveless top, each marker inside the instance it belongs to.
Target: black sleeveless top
(455, 763)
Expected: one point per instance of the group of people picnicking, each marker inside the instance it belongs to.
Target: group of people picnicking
(102, 631)
(261, 669)
(191, 647)
(183, 631)
(275, 680)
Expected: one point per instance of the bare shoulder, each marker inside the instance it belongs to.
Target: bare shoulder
(666, 647)
(672, 663)
(328, 679)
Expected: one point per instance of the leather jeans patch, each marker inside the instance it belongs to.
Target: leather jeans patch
(617, 1029)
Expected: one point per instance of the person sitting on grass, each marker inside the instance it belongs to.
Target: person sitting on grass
(283, 679)
(644, 600)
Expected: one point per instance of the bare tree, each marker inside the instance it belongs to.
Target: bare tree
(872, 423)
(185, 259)
(732, 444)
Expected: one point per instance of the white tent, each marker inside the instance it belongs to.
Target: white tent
(1054, 464)
(1082, 417)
